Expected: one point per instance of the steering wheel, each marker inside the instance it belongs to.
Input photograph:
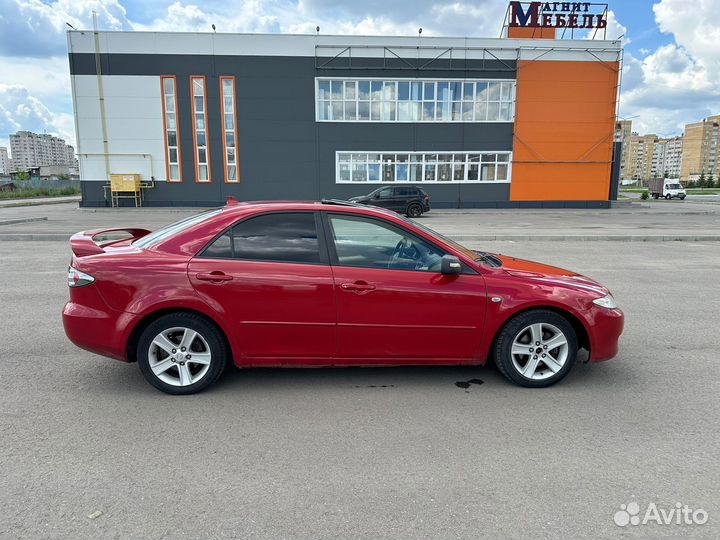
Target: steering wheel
(400, 250)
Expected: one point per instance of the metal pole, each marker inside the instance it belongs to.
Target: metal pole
(101, 97)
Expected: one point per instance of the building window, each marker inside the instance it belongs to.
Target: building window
(172, 130)
(202, 152)
(227, 88)
(411, 100)
(446, 167)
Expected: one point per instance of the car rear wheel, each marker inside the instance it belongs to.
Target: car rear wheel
(537, 348)
(181, 353)
(414, 210)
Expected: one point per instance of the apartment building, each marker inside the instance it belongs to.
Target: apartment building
(700, 149)
(639, 161)
(667, 157)
(30, 150)
(5, 164)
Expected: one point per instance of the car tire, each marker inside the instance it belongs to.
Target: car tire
(668, 197)
(414, 210)
(181, 353)
(682, 197)
(538, 330)
(655, 196)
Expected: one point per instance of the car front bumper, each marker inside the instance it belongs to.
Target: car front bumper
(607, 327)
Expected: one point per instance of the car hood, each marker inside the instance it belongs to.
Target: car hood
(551, 275)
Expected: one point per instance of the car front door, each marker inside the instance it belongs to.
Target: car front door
(385, 198)
(268, 277)
(394, 305)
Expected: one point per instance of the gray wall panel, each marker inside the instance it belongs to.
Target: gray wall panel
(283, 153)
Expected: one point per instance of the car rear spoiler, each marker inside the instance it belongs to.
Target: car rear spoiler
(84, 243)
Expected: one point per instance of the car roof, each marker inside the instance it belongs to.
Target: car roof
(246, 207)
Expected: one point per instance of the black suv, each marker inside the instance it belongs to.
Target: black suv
(409, 200)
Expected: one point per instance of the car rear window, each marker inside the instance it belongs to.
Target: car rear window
(166, 232)
(275, 237)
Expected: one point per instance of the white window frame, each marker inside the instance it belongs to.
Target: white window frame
(422, 162)
(228, 132)
(397, 101)
(204, 130)
(167, 131)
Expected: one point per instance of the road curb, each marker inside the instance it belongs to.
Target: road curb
(30, 202)
(61, 237)
(21, 220)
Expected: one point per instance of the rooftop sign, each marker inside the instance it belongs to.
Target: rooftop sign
(557, 15)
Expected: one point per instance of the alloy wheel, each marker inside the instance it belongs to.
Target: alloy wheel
(539, 351)
(179, 356)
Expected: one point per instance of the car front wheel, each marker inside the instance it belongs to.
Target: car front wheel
(537, 348)
(181, 353)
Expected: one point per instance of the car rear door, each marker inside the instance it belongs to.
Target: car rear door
(396, 307)
(269, 278)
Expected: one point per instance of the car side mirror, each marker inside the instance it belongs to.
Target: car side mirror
(450, 265)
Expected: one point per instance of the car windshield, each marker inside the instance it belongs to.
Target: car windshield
(474, 255)
(174, 228)
(674, 186)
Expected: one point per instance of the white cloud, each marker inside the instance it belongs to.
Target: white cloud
(668, 86)
(613, 31)
(677, 83)
(20, 110)
(31, 28)
(250, 16)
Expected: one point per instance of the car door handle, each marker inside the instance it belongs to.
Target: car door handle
(358, 286)
(216, 277)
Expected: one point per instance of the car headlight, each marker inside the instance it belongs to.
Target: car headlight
(606, 302)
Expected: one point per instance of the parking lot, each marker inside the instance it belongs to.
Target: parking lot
(89, 450)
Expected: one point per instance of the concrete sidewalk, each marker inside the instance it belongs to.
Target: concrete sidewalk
(659, 221)
(38, 201)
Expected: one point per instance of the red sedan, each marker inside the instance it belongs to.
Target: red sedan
(324, 284)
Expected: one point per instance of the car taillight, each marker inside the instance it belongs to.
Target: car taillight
(76, 278)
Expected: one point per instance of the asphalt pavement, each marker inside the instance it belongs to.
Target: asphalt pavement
(658, 220)
(89, 450)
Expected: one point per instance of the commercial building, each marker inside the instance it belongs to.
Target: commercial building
(667, 157)
(5, 165)
(700, 150)
(503, 122)
(35, 150)
(623, 132)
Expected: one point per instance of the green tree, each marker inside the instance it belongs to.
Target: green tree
(22, 175)
(701, 180)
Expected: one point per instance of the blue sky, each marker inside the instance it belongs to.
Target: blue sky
(671, 72)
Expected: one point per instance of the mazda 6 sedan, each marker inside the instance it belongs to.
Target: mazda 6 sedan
(330, 283)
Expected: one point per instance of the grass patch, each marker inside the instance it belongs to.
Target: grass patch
(703, 191)
(29, 193)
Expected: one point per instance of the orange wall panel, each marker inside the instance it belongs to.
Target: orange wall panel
(564, 126)
(531, 32)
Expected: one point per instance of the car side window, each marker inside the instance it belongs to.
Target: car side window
(367, 243)
(276, 237)
(386, 193)
(402, 192)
